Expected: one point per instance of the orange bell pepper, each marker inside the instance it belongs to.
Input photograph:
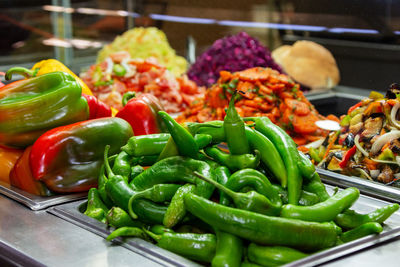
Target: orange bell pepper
(8, 158)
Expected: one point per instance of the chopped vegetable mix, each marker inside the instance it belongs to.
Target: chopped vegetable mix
(263, 92)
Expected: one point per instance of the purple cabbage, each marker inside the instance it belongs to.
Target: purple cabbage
(232, 53)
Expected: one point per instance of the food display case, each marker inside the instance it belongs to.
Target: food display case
(139, 122)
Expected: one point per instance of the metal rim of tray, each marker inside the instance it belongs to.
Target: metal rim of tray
(367, 187)
(37, 202)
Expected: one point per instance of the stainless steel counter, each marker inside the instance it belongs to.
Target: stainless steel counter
(55, 242)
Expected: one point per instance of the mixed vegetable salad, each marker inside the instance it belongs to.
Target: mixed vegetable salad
(368, 144)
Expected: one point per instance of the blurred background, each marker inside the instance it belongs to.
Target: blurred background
(363, 35)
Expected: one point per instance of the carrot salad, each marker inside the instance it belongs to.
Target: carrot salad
(263, 92)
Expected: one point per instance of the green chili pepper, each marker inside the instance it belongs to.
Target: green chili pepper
(185, 142)
(212, 128)
(306, 167)
(144, 160)
(314, 155)
(306, 198)
(351, 219)
(222, 175)
(317, 187)
(127, 231)
(273, 256)
(117, 218)
(251, 201)
(199, 247)
(120, 192)
(288, 150)
(101, 188)
(122, 164)
(229, 250)
(176, 209)
(262, 229)
(95, 206)
(157, 193)
(146, 145)
(365, 229)
(233, 162)
(257, 182)
(159, 229)
(323, 211)
(171, 149)
(119, 70)
(269, 154)
(135, 171)
(176, 170)
(235, 130)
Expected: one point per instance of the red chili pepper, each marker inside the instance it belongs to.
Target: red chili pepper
(347, 157)
(354, 107)
(142, 113)
(97, 109)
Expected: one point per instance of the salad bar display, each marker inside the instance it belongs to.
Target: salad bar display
(222, 164)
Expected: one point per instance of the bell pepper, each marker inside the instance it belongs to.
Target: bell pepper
(8, 158)
(30, 107)
(46, 66)
(142, 113)
(68, 158)
(97, 109)
(347, 156)
(21, 176)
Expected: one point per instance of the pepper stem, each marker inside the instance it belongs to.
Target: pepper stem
(227, 191)
(27, 73)
(106, 163)
(152, 235)
(130, 209)
(127, 96)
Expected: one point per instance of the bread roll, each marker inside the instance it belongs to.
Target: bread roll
(309, 64)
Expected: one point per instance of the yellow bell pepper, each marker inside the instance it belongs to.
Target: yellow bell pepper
(52, 65)
(47, 66)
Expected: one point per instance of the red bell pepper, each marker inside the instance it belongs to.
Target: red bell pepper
(359, 104)
(21, 176)
(97, 109)
(347, 156)
(142, 113)
(68, 158)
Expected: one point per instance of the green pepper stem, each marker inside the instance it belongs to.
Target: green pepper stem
(127, 96)
(27, 73)
(106, 163)
(130, 209)
(152, 235)
(227, 191)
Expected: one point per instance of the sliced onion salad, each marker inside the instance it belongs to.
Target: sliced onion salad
(359, 147)
(315, 144)
(110, 65)
(393, 114)
(383, 139)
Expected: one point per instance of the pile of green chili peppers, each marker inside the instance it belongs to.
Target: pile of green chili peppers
(260, 204)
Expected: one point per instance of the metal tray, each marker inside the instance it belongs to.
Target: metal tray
(37, 202)
(367, 187)
(73, 212)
